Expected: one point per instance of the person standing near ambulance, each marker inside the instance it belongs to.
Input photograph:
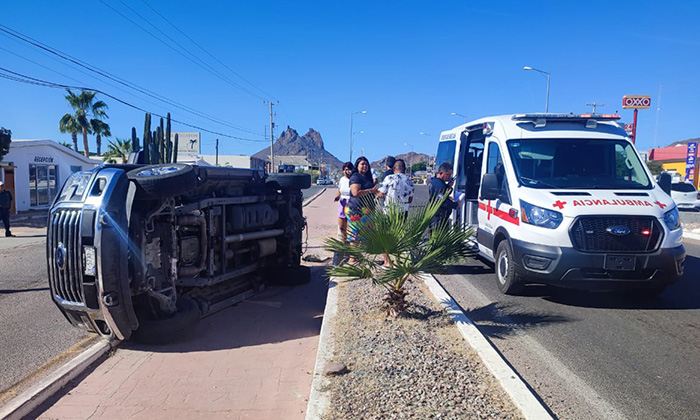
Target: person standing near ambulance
(439, 186)
(5, 205)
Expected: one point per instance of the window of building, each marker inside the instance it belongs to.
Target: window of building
(43, 183)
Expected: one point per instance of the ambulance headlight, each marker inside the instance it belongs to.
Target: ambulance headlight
(539, 216)
(672, 219)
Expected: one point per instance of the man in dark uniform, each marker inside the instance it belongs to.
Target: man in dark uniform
(5, 203)
(389, 163)
(438, 188)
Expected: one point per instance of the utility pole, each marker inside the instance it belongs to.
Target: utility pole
(272, 138)
(594, 105)
(658, 109)
(217, 152)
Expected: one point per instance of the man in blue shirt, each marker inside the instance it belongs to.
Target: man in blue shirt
(440, 186)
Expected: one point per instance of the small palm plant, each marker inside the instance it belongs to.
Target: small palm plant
(410, 247)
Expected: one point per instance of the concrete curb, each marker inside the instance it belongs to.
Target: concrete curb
(515, 387)
(691, 235)
(318, 398)
(30, 399)
(312, 198)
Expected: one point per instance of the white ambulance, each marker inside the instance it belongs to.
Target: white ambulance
(563, 199)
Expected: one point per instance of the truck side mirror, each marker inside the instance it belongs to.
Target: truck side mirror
(489, 187)
(664, 182)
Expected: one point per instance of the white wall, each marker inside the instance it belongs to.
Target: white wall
(41, 152)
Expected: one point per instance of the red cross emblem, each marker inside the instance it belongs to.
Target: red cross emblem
(660, 204)
(489, 210)
(559, 204)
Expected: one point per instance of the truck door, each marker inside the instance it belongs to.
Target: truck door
(494, 213)
(468, 176)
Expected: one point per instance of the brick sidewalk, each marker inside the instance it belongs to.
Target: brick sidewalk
(251, 361)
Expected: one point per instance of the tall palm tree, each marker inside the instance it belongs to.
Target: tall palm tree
(68, 124)
(410, 250)
(99, 128)
(86, 108)
(120, 148)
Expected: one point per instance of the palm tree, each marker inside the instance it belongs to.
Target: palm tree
(118, 149)
(99, 128)
(409, 248)
(69, 124)
(86, 107)
(66, 144)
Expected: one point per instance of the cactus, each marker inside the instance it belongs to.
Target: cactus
(175, 148)
(146, 129)
(134, 140)
(169, 144)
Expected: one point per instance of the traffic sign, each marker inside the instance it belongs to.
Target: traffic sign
(629, 127)
(636, 102)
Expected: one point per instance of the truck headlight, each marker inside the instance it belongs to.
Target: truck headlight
(672, 219)
(539, 216)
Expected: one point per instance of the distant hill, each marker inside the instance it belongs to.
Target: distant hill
(678, 143)
(411, 158)
(290, 143)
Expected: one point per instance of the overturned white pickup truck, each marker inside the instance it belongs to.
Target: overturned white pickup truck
(143, 251)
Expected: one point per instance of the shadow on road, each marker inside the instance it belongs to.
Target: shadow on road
(9, 291)
(498, 320)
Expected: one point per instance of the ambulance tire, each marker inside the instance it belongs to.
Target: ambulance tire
(509, 282)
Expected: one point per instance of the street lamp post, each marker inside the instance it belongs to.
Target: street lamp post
(546, 107)
(459, 115)
(410, 159)
(428, 135)
(351, 133)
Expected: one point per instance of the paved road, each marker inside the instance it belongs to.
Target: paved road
(594, 356)
(32, 330)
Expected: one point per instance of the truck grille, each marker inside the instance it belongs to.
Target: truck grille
(64, 256)
(590, 233)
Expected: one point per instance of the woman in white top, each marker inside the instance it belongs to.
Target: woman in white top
(342, 198)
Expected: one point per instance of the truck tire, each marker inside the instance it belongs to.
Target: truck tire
(509, 282)
(165, 330)
(290, 181)
(164, 180)
(290, 276)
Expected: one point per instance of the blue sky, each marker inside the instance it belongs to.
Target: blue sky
(409, 64)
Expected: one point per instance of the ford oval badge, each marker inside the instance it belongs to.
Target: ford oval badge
(60, 256)
(618, 230)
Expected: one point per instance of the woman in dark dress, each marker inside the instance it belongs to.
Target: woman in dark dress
(361, 202)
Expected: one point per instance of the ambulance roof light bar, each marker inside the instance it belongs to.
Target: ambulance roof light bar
(565, 117)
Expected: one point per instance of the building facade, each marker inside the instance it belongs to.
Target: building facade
(40, 168)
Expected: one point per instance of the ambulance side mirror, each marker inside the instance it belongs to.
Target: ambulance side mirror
(664, 182)
(489, 187)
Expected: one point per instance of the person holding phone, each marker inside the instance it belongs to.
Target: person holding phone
(342, 198)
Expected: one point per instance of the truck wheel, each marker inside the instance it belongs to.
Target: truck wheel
(287, 181)
(165, 330)
(509, 282)
(164, 180)
(290, 276)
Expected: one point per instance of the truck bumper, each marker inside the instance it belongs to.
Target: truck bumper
(568, 267)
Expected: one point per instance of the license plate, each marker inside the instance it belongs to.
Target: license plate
(620, 262)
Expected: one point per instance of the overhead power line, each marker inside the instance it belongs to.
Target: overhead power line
(199, 62)
(203, 49)
(107, 75)
(22, 78)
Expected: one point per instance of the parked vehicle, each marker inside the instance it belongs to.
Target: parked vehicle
(686, 196)
(563, 199)
(143, 251)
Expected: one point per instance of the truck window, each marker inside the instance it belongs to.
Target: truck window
(494, 165)
(577, 163)
(445, 153)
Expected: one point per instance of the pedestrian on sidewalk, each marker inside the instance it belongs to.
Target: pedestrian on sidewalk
(397, 190)
(361, 201)
(342, 197)
(441, 186)
(389, 164)
(5, 205)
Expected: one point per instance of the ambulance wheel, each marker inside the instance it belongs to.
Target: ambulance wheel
(509, 282)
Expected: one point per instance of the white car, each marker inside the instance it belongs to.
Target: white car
(685, 195)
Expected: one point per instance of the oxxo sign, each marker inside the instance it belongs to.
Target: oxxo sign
(636, 102)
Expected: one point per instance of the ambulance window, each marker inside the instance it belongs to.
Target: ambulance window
(445, 153)
(494, 165)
